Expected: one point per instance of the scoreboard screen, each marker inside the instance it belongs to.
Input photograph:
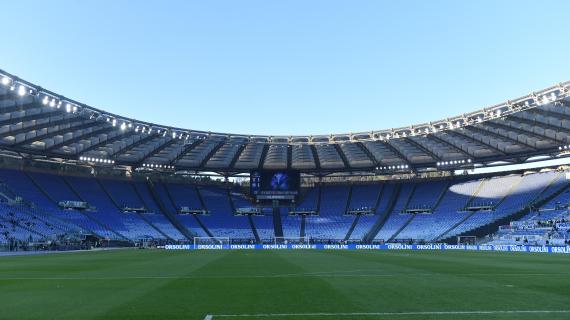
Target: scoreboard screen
(275, 184)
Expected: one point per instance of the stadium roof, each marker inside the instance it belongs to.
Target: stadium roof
(38, 122)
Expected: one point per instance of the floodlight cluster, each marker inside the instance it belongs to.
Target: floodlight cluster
(47, 99)
(550, 95)
(564, 148)
(546, 98)
(97, 160)
(394, 167)
(453, 162)
(157, 166)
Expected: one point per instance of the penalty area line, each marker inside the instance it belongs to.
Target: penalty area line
(384, 314)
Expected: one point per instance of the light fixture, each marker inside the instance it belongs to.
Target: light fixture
(21, 91)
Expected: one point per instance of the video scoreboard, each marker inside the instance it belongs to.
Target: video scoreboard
(275, 184)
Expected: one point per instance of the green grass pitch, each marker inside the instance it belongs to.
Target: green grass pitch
(285, 285)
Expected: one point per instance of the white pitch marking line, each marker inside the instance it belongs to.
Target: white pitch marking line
(288, 275)
(369, 314)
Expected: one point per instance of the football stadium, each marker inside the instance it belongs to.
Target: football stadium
(108, 216)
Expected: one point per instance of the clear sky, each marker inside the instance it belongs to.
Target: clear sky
(287, 67)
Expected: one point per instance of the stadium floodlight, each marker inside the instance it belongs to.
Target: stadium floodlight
(68, 108)
(114, 122)
(45, 101)
(21, 91)
(123, 126)
(5, 81)
(469, 160)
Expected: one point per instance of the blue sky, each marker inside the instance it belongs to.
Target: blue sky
(287, 67)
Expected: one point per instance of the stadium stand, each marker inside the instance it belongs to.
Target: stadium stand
(68, 169)
(125, 209)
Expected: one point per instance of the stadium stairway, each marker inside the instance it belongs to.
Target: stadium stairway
(475, 193)
(509, 192)
(347, 207)
(352, 226)
(89, 217)
(203, 226)
(249, 218)
(302, 229)
(253, 228)
(320, 194)
(92, 216)
(145, 219)
(383, 216)
(460, 222)
(414, 186)
(201, 199)
(171, 216)
(277, 224)
(395, 235)
(379, 195)
(494, 226)
(39, 187)
(231, 201)
(140, 215)
(142, 200)
(441, 195)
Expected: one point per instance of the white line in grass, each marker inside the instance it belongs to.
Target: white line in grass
(376, 314)
(288, 275)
